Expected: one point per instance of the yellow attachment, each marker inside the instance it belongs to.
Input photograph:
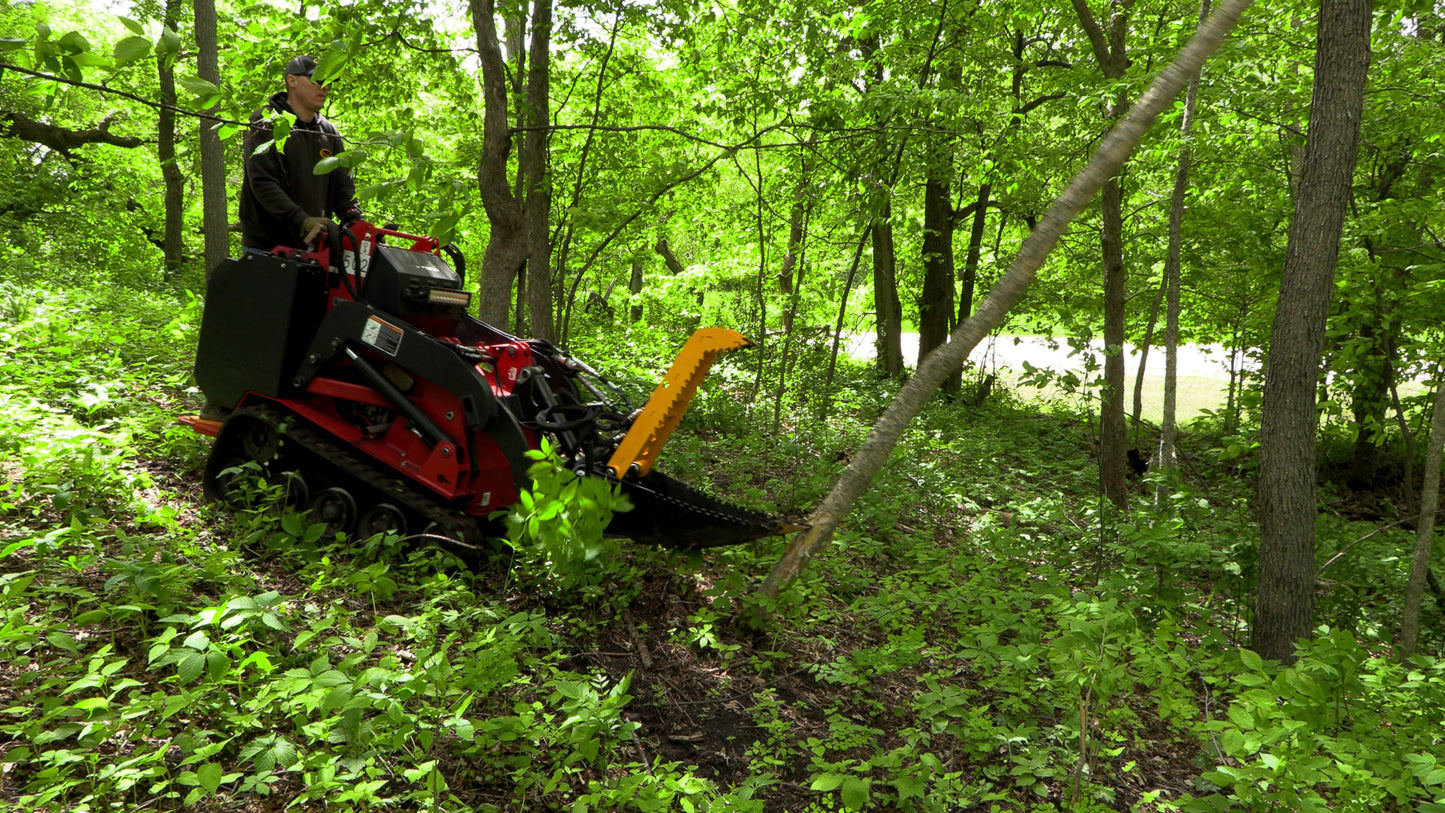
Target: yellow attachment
(643, 442)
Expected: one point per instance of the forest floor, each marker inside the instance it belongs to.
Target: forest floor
(981, 633)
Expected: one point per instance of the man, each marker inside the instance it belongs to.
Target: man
(283, 201)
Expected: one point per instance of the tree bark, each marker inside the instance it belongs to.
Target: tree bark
(1116, 146)
(1425, 531)
(1113, 440)
(174, 246)
(1164, 460)
(634, 287)
(935, 305)
(887, 310)
(509, 245)
(1284, 605)
(215, 224)
(1109, 51)
(533, 166)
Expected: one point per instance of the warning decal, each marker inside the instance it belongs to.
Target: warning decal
(382, 335)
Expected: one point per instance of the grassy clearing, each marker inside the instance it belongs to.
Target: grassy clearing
(982, 634)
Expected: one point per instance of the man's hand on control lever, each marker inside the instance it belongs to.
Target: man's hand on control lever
(312, 226)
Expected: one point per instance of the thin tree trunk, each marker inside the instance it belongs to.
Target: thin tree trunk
(1113, 463)
(1284, 605)
(1164, 460)
(1116, 146)
(533, 164)
(969, 276)
(1425, 531)
(1109, 49)
(172, 243)
(634, 286)
(215, 225)
(788, 322)
(826, 401)
(935, 305)
(887, 309)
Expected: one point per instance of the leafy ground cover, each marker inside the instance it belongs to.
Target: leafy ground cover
(984, 634)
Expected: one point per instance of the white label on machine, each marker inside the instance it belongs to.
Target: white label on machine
(382, 335)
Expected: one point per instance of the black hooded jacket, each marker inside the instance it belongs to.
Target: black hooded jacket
(280, 190)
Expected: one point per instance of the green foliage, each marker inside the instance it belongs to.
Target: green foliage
(556, 527)
(1340, 729)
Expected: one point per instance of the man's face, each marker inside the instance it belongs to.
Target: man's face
(306, 92)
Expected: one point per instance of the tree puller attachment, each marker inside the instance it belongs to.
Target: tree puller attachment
(356, 380)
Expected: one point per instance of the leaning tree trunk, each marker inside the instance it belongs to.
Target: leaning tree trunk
(1116, 146)
(215, 225)
(1284, 605)
(1425, 531)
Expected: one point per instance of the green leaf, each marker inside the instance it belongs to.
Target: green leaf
(209, 777)
(1251, 660)
(170, 42)
(326, 165)
(826, 782)
(131, 49)
(73, 43)
(190, 666)
(856, 792)
(133, 26)
(12, 43)
(61, 640)
(206, 93)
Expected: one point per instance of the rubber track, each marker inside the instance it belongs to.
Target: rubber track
(460, 532)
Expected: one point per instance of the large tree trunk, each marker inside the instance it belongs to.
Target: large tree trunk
(507, 243)
(172, 245)
(1116, 146)
(215, 225)
(517, 210)
(1425, 531)
(887, 309)
(1164, 460)
(1284, 607)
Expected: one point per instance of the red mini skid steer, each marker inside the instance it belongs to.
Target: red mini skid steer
(355, 379)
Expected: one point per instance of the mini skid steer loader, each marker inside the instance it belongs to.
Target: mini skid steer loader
(356, 380)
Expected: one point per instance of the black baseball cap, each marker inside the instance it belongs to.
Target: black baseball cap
(301, 66)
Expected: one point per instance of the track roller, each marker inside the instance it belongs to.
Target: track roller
(381, 519)
(335, 507)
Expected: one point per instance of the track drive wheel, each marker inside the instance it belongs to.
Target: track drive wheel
(335, 507)
(381, 519)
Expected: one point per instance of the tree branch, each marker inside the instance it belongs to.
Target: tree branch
(64, 140)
